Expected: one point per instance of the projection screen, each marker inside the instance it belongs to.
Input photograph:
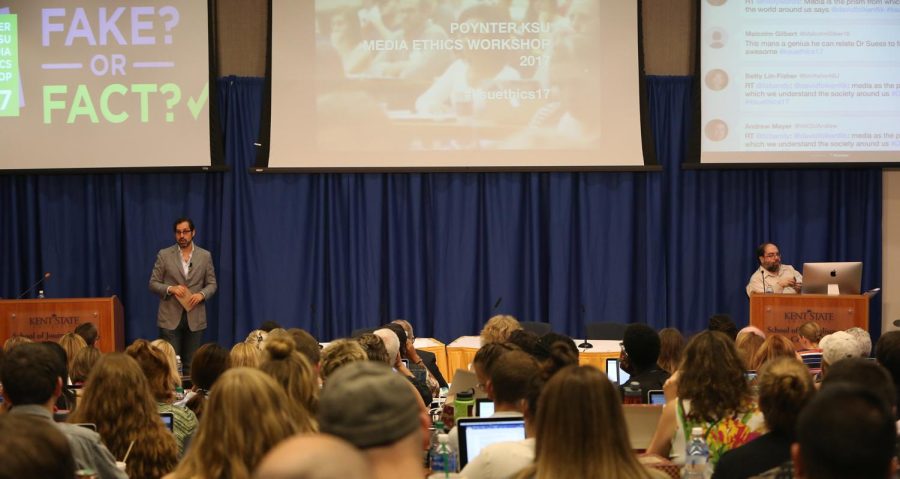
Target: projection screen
(104, 84)
(432, 84)
(799, 81)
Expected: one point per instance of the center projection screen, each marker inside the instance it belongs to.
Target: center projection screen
(419, 84)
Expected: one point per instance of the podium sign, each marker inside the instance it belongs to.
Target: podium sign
(784, 313)
(49, 319)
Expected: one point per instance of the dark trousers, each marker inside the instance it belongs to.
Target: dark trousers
(184, 341)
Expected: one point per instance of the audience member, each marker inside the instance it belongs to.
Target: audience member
(671, 345)
(863, 373)
(14, 341)
(257, 337)
(413, 19)
(268, 326)
(428, 359)
(837, 346)
(845, 432)
(785, 387)
(82, 364)
(863, 340)
(88, 331)
(887, 352)
(153, 363)
(713, 394)
(71, 344)
(34, 449)
(485, 357)
(292, 371)
(747, 344)
(374, 347)
(808, 336)
(376, 410)
(580, 430)
(498, 329)
(338, 353)
(313, 456)
(408, 351)
(513, 381)
(562, 353)
(529, 342)
(67, 401)
(117, 398)
(244, 418)
(171, 360)
(244, 355)
(31, 386)
(774, 346)
(640, 352)
(307, 345)
(392, 341)
(724, 324)
(210, 361)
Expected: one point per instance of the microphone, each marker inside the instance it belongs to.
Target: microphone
(584, 345)
(36, 283)
(763, 274)
(497, 304)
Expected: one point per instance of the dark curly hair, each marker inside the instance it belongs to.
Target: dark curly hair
(712, 377)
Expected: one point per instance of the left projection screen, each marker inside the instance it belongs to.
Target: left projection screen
(104, 84)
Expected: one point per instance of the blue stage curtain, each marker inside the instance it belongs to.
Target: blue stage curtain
(334, 252)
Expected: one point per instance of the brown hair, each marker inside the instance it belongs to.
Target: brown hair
(775, 346)
(244, 355)
(785, 386)
(747, 344)
(244, 419)
(487, 355)
(338, 353)
(306, 345)
(294, 373)
(512, 375)
(498, 329)
(712, 377)
(580, 430)
(671, 345)
(118, 400)
(153, 363)
(14, 341)
(374, 347)
(812, 332)
(83, 363)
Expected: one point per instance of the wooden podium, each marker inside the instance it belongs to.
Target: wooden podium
(48, 319)
(784, 313)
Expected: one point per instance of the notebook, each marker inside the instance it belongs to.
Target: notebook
(477, 433)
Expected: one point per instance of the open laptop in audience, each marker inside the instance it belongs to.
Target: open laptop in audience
(477, 433)
(463, 380)
(641, 421)
(615, 373)
(484, 407)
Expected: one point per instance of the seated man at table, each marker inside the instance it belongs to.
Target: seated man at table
(426, 358)
(641, 351)
(772, 276)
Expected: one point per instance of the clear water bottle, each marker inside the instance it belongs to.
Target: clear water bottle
(443, 457)
(696, 457)
(179, 366)
(40, 294)
(633, 393)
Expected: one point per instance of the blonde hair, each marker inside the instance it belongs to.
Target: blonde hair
(83, 363)
(580, 430)
(14, 341)
(338, 353)
(244, 418)
(812, 332)
(244, 355)
(72, 343)
(298, 378)
(171, 360)
(498, 329)
(257, 337)
(118, 400)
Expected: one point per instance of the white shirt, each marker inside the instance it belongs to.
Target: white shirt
(502, 460)
(763, 280)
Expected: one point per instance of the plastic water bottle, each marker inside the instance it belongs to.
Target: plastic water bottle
(633, 393)
(443, 458)
(179, 366)
(696, 457)
(40, 294)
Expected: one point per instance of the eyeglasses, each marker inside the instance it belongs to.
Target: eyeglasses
(772, 255)
(183, 232)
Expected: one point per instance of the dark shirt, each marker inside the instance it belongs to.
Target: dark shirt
(756, 457)
(430, 361)
(650, 380)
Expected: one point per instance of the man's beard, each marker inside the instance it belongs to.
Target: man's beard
(772, 267)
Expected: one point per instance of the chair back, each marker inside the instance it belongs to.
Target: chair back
(605, 331)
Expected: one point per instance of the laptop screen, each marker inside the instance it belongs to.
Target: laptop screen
(484, 407)
(477, 433)
(615, 373)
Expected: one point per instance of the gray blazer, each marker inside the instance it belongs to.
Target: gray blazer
(201, 279)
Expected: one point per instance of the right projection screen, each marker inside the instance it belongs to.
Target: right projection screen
(455, 83)
(799, 81)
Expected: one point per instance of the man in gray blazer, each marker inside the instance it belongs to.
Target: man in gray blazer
(183, 273)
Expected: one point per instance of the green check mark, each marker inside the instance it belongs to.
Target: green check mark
(196, 105)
